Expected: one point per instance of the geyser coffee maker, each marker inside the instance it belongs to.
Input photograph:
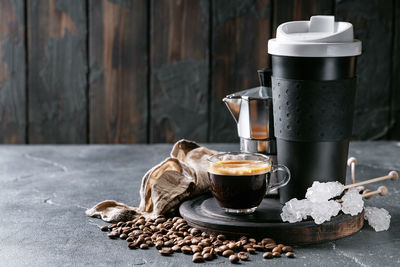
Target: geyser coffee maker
(252, 111)
(310, 108)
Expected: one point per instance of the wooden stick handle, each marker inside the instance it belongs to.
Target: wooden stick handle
(352, 162)
(393, 175)
(382, 190)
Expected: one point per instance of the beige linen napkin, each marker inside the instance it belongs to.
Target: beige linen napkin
(180, 176)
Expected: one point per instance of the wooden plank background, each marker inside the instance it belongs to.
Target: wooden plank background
(57, 71)
(149, 71)
(13, 121)
(118, 62)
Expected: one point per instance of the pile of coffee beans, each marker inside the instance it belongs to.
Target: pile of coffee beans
(174, 235)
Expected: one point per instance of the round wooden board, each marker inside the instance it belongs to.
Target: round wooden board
(204, 213)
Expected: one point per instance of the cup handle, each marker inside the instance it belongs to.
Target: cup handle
(285, 181)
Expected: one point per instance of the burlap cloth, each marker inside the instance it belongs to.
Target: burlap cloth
(178, 177)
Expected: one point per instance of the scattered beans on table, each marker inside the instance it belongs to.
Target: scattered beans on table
(174, 235)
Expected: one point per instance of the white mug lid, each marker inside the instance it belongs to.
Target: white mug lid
(321, 36)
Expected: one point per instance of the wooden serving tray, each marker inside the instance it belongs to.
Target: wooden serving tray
(204, 213)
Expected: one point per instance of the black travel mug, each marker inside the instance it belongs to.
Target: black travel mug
(313, 90)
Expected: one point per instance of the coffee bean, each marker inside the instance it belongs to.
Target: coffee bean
(206, 249)
(276, 254)
(227, 253)
(281, 245)
(180, 221)
(194, 231)
(195, 241)
(132, 245)
(104, 228)
(251, 250)
(187, 242)
(197, 258)
(252, 240)
(242, 242)
(290, 254)
(179, 233)
(178, 239)
(195, 248)
(217, 243)
(208, 256)
(221, 237)
(268, 255)
(168, 225)
(186, 250)
(223, 248)
(129, 239)
(277, 249)
(137, 232)
(205, 243)
(120, 224)
(165, 251)
(140, 222)
(270, 246)
(267, 240)
(159, 244)
(123, 236)
(111, 226)
(144, 246)
(176, 248)
(233, 258)
(113, 235)
(231, 246)
(125, 229)
(169, 243)
(140, 240)
(212, 252)
(178, 226)
(159, 220)
(218, 251)
(243, 256)
(147, 231)
(287, 249)
(205, 235)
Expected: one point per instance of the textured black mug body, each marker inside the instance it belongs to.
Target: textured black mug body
(313, 102)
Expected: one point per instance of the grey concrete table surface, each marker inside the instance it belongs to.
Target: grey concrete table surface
(44, 191)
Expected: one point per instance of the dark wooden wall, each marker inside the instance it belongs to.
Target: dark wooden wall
(145, 71)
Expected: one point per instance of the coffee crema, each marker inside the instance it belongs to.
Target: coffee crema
(240, 167)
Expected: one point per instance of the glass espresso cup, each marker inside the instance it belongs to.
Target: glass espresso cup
(239, 181)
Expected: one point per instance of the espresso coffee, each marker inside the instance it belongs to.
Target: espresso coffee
(239, 184)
